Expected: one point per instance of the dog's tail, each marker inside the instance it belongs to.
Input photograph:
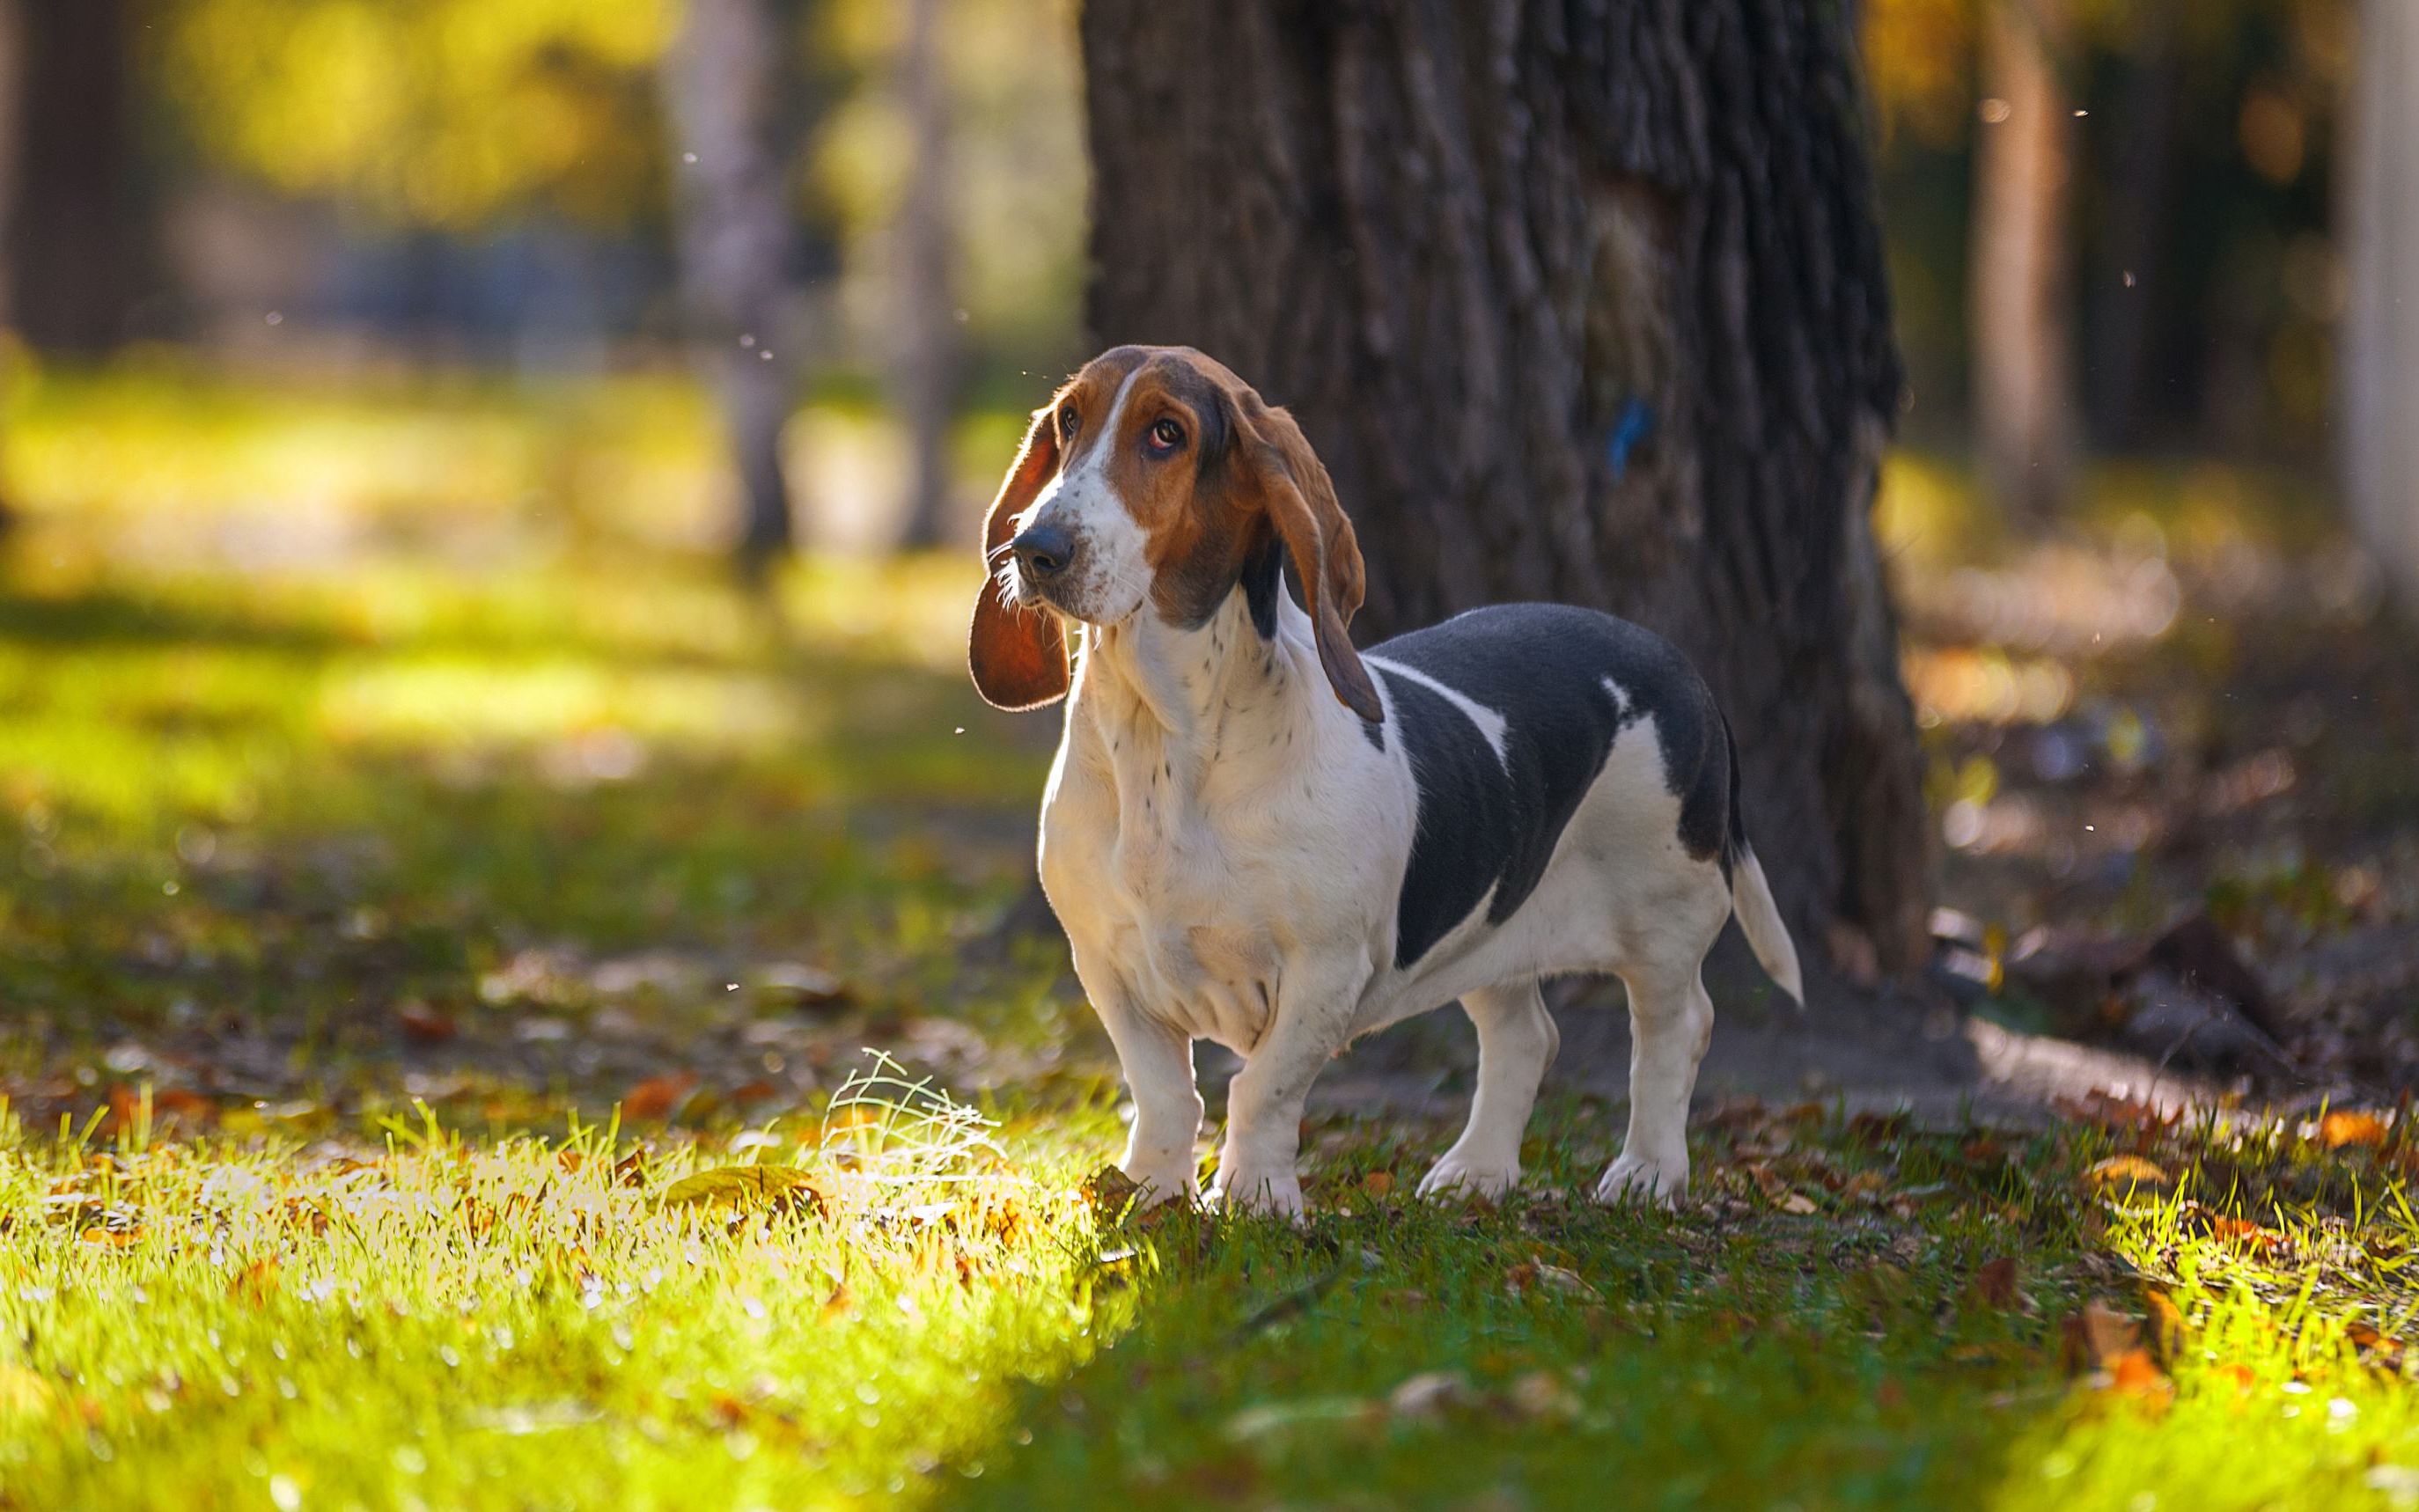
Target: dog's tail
(1751, 899)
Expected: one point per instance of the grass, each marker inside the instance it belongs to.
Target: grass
(1854, 1314)
(345, 896)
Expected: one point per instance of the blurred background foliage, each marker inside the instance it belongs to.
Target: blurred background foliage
(383, 378)
(456, 195)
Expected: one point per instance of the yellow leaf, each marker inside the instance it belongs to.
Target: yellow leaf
(777, 1187)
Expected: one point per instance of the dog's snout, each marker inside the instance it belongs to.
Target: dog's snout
(1044, 551)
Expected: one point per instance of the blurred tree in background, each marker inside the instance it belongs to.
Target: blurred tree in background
(328, 187)
(2206, 283)
(732, 102)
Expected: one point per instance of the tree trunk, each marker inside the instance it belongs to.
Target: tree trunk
(1579, 301)
(929, 345)
(2124, 306)
(737, 242)
(2023, 410)
(2380, 329)
(76, 252)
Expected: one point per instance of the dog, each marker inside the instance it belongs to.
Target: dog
(1258, 835)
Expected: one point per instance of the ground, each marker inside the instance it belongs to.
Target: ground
(442, 949)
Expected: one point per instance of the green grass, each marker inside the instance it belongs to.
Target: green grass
(259, 1247)
(1853, 1314)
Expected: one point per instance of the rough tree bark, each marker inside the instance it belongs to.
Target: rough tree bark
(2381, 328)
(1581, 301)
(2024, 360)
(929, 345)
(737, 242)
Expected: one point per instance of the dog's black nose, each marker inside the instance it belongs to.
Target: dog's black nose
(1043, 551)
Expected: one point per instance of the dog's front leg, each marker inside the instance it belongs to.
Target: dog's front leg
(1264, 1102)
(1157, 1061)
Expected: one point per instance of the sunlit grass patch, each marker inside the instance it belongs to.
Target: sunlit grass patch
(570, 1322)
(1852, 1313)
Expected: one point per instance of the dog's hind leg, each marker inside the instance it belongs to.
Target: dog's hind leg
(1516, 1039)
(1670, 1024)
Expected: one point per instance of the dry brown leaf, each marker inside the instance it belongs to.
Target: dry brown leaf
(2338, 1130)
(1797, 1203)
(2165, 1325)
(256, 1283)
(1535, 1274)
(424, 1024)
(840, 1303)
(658, 1096)
(2122, 1172)
(1995, 1283)
(1377, 1183)
(2243, 1231)
(2097, 1337)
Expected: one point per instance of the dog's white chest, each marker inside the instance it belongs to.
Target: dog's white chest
(1176, 904)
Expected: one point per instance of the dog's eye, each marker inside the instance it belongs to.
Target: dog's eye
(1167, 435)
(1067, 420)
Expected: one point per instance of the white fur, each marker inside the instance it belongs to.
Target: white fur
(1109, 577)
(1226, 849)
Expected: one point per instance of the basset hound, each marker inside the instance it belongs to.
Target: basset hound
(1255, 834)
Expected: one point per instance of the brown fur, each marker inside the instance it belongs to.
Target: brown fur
(1243, 469)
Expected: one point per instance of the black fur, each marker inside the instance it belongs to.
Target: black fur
(1542, 667)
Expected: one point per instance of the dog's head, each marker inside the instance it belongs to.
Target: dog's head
(1149, 485)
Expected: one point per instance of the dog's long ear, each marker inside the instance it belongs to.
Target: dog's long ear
(1018, 655)
(1301, 503)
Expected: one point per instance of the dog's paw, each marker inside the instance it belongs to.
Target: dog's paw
(1272, 1197)
(1455, 1176)
(1153, 1189)
(1637, 1179)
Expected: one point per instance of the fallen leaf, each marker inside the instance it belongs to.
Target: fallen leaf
(759, 1091)
(176, 1103)
(424, 1024)
(1797, 1203)
(1377, 1183)
(2336, 1130)
(22, 1390)
(2097, 1337)
(256, 1283)
(779, 1188)
(1534, 1274)
(1995, 1283)
(2243, 1231)
(1111, 1192)
(2122, 1172)
(1430, 1394)
(840, 1303)
(2135, 1374)
(2165, 1325)
(658, 1096)
(1545, 1393)
(2371, 1341)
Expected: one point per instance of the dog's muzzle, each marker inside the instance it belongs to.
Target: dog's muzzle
(1045, 557)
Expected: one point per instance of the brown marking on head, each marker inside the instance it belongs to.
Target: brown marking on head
(1211, 473)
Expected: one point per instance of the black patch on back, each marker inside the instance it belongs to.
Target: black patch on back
(1488, 823)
